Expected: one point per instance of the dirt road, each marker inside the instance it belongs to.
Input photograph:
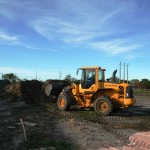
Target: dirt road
(48, 128)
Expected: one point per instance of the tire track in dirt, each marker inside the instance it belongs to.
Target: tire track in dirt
(121, 127)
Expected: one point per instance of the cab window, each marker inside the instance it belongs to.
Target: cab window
(101, 75)
(88, 78)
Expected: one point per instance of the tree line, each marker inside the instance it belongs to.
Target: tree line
(144, 83)
(10, 77)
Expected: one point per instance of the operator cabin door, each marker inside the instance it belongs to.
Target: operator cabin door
(88, 78)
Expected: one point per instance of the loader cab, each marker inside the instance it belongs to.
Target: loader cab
(87, 78)
(91, 76)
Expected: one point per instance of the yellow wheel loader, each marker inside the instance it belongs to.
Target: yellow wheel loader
(94, 91)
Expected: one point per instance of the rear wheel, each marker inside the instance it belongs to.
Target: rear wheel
(63, 102)
(103, 106)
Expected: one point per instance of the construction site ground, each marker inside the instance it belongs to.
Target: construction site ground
(46, 127)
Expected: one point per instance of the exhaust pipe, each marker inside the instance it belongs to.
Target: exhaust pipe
(114, 76)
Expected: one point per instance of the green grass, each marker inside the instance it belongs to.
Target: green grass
(142, 92)
(36, 142)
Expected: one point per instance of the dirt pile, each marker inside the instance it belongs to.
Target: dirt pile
(32, 91)
(4, 83)
(11, 92)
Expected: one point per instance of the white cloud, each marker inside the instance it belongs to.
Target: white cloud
(135, 55)
(51, 28)
(114, 47)
(74, 34)
(75, 22)
(7, 37)
(14, 40)
(86, 24)
(37, 48)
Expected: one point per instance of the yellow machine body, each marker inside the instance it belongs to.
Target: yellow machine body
(103, 95)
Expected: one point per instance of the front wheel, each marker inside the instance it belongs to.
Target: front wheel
(63, 102)
(103, 106)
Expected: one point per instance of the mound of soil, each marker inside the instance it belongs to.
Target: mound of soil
(11, 92)
(4, 83)
(32, 91)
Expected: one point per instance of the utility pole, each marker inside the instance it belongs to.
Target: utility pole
(124, 73)
(1, 75)
(127, 72)
(60, 75)
(120, 73)
(36, 75)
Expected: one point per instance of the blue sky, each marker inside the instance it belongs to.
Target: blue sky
(45, 37)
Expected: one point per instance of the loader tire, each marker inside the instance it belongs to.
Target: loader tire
(103, 106)
(63, 102)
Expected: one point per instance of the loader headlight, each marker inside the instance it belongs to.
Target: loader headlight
(129, 92)
(127, 95)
